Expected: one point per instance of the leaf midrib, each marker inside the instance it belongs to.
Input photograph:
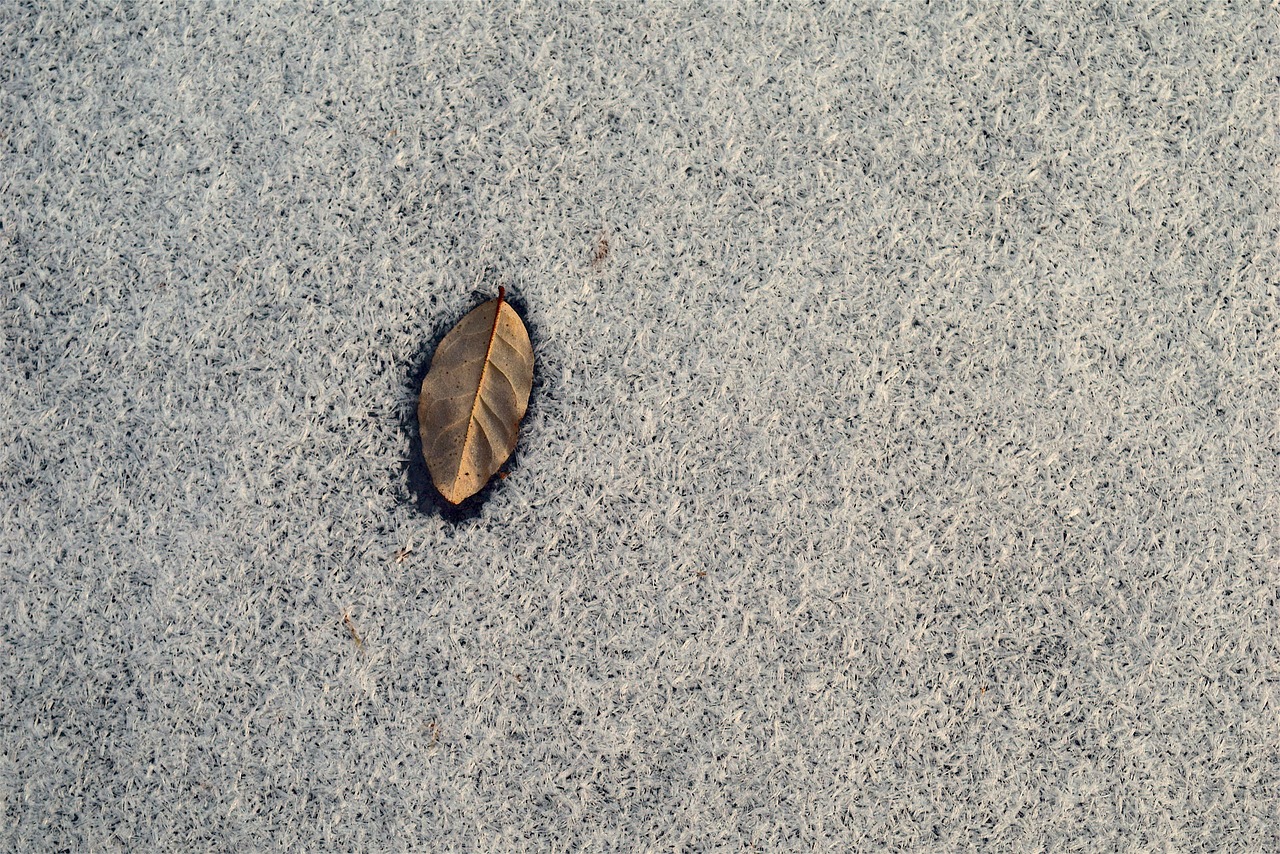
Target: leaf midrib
(475, 401)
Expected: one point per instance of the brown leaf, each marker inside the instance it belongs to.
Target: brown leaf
(473, 398)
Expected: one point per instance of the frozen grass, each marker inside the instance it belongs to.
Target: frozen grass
(902, 473)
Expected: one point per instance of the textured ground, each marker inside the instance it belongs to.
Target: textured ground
(902, 471)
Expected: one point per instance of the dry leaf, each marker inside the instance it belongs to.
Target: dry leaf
(473, 398)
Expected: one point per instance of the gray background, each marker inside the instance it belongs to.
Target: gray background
(903, 476)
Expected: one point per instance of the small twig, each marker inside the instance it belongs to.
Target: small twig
(601, 251)
(346, 621)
